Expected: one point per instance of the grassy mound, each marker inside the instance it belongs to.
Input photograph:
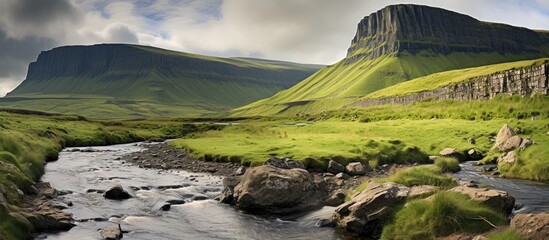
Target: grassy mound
(448, 164)
(422, 175)
(445, 214)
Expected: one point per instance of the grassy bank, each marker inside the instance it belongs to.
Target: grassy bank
(27, 141)
(387, 134)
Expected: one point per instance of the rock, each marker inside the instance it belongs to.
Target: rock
(496, 199)
(473, 155)
(508, 158)
(511, 143)
(325, 223)
(365, 212)
(421, 191)
(268, 189)
(176, 201)
(504, 134)
(240, 171)
(532, 226)
(116, 192)
(226, 195)
(285, 163)
(433, 158)
(355, 168)
(480, 237)
(112, 233)
(166, 207)
(342, 176)
(451, 152)
(526, 142)
(335, 167)
(337, 198)
(48, 219)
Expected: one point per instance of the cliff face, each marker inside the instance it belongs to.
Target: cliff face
(524, 82)
(414, 28)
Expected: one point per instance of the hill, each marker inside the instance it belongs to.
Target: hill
(400, 43)
(132, 81)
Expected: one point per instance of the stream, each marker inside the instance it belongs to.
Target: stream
(533, 197)
(81, 172)
(199, 218)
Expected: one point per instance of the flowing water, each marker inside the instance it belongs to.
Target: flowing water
(532, 196)
(196, 219)
(78, 172)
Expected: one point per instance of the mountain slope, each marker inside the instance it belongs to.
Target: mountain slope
(400, 43)
(147, 82)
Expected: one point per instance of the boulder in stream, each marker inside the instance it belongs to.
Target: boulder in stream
(268, 189)
(116, 192)
(495, 199)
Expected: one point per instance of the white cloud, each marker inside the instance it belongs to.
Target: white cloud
(310, 31)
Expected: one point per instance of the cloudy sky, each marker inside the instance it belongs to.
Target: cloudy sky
(308, 31)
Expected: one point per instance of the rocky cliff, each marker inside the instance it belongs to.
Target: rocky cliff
(414, 28)
(524, 82)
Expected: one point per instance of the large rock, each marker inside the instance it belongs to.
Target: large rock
(365, 213)
(511, 143)
(532, 226)
(112, 233)
(356, 168)
(452, 153)
(226, 195)
(335, 167)
(508, 158)
(285, 163)
(495, 199)
(504, 134)
(116, 192)
(268, 189)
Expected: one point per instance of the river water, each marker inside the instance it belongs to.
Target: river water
(200, 217)
(533, 196)
(196, 219)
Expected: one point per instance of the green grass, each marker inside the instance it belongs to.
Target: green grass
(448, 164)
(507, 234)
(386, 134)
(27, 141)
(422, 175)
(445, 214)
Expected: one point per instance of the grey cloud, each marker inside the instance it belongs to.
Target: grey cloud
(42, 12)
(15, 56)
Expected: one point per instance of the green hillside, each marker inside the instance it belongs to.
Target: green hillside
(129, 81)
(398, 50)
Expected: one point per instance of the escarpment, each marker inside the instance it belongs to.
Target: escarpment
(414, 28)
(524, 82)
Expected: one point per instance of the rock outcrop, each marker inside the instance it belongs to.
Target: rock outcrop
(495, 199)
(524, 82)
(365, 212)
(413, 28)
(267, 189)
(532, 226)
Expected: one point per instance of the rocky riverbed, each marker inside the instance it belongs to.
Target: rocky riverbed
(163, 156)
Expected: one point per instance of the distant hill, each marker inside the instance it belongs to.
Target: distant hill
(132, 81)
(399, 43)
